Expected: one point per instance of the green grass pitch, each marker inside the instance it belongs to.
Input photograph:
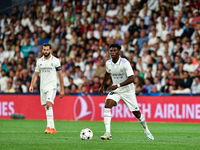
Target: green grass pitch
(29, 134)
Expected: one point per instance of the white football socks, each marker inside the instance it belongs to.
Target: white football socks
(49, 115)
(107, 118)
(143, 122)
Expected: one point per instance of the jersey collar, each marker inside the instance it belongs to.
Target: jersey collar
(50, 58)
(117, 63)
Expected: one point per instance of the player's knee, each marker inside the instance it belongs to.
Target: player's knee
(137, 114)
(48, 104)
(109, 103)
(108, 106)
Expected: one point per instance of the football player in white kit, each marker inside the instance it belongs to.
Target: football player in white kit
(123, 88)
(47, 66)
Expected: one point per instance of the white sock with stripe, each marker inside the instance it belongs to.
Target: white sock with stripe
(107, 118)
(49, 115)
(143, 122)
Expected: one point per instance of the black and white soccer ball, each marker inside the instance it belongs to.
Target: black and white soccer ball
(86, 134)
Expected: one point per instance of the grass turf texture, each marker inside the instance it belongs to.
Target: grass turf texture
(29, 134)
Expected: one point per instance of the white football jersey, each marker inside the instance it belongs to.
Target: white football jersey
(48, 72)
(120, 71)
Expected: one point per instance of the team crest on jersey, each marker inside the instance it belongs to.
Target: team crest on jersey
(52, 64)
(109, 70)
(121, 70)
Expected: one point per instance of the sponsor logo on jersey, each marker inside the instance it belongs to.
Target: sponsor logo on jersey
(84, 108)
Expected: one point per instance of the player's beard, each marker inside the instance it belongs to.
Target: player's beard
(46, 55)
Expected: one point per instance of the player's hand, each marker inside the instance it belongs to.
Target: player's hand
(31, 89)
(62, 93)
(101, 90)
(111, 88)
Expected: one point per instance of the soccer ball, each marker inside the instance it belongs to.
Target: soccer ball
(86, 134)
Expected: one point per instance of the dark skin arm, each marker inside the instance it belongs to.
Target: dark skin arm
(105, 79)
(126, 82)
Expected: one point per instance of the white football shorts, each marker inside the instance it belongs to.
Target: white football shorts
(128, 98)
(47, 96)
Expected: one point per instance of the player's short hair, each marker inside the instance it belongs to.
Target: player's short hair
(115, 45)
(46, 44)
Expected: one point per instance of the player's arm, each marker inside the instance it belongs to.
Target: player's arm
(129, 80)
(34, 79)
(105, 79)
(60, 76)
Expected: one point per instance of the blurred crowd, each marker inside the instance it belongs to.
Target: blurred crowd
(160, 38)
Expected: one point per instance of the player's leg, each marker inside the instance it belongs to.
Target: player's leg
(49, 110)
(131, 102)
(143, 122)
(107, 118)
(43, 97)
(111, 100)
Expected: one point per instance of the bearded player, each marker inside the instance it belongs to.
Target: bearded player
(123, 88)
(47, 66)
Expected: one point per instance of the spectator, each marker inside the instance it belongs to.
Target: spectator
(181, 89)
(3, 81)
(195, 88)
(36, 46)
(187, 48)
(54, 41)
(178, 29)
(1, 55)
(133, 27)
(187, 80)
(43, 39)
(100, 69)
(140, 75)
(46, 27)
(188, 66)
(21, 87)
(196, 18)
(73, 89)
(148, 85)
(140, 90)
(25, 77)
(90, 71)
(141, 66)
(145, 8)
(154, 91)
(79, 79)
(188, 31)
(9, 88)
(142, 38)
(111, 14)
(157, 84)
(83, 91)
(150, 71)
(165, 88)
(26, 49)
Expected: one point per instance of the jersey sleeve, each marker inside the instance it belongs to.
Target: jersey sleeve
(107, 69)
(58, 65)
(37, 68)
(128, 69)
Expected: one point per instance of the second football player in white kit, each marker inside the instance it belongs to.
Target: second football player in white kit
(123, 88)
(48, 66)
